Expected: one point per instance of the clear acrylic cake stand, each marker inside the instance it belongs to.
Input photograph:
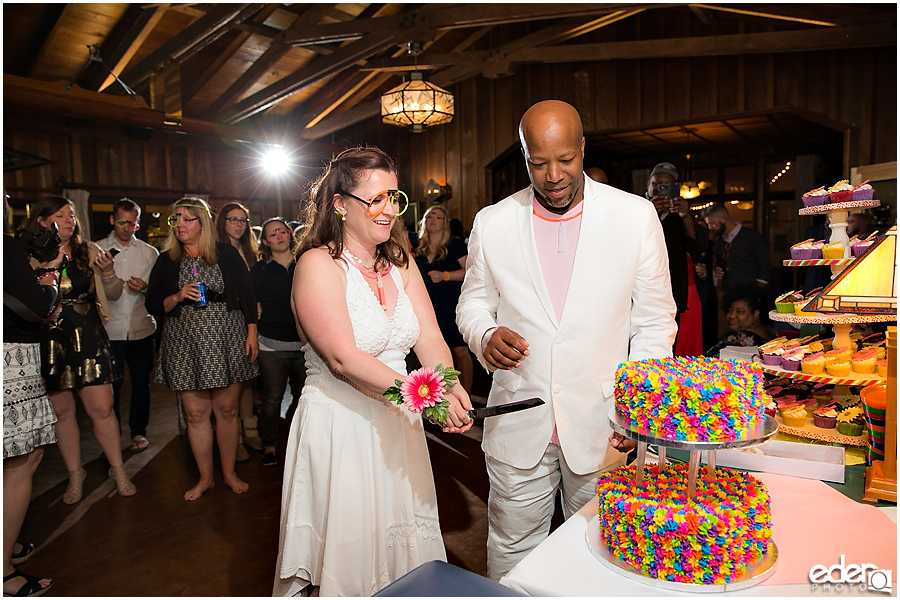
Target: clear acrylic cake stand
(757, 572)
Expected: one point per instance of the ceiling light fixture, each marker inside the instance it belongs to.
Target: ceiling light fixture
(416, 103)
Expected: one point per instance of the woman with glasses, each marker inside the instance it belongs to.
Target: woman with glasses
(75, 348)
(441, 259)
(280, 356)
(209, 346)
(359, 508)
(233, 227)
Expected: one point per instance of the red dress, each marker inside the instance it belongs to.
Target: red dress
(690, 330)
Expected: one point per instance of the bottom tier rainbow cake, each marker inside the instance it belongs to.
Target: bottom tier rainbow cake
(709, 539)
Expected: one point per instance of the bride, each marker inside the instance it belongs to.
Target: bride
(358, 507)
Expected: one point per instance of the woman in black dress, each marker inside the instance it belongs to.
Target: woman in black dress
(207, 350)
(75, 354)
(442, 261)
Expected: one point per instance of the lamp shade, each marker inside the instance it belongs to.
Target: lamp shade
(417, 103)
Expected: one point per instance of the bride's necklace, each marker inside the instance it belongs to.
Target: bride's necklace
(379, 284)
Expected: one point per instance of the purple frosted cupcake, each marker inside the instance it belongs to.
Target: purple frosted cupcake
(816, 197)
(773, 360)
(791, 362)
(859, 248)
(825, 420)
(864, 191)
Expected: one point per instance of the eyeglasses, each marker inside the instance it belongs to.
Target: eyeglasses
(132, 225)
(236, 220)
(175, 218)
(377, 203)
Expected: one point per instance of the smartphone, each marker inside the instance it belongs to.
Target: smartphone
(669, 190)
(113, 252)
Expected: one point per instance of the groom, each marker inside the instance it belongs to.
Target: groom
(557, 293)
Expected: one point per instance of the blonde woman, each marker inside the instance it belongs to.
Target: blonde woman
(75, 349)
(441, 259)
(208, 349)
(233, 227)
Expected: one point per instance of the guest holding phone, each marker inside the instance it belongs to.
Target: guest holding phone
(75, 349)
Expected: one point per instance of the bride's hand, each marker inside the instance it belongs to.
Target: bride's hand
(457, 419)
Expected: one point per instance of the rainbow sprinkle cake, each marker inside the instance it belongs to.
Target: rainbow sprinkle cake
(709, 539)
(696, 399)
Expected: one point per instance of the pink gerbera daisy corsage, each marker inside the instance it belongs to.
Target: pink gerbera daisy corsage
(422, 391)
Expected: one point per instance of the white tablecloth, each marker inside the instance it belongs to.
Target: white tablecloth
(563, 565)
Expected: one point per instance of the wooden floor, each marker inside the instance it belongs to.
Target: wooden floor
(224, 544)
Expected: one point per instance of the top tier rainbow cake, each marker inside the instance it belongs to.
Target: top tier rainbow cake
(695, 399)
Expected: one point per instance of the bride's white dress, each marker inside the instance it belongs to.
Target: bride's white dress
(358, 505)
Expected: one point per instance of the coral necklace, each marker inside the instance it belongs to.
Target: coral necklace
(379, 284)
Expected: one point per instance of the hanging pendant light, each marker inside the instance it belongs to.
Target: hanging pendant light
(416, 103)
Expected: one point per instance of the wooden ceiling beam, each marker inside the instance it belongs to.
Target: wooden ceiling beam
(820, 14)
(194, 38)
(223, 57)
(316, 71)
(278, 48)
(57, 24)
(452, 17)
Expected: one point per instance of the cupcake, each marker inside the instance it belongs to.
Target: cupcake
(805, 250)
(833, 250)
(813, 364)
(861, 247)
(864, 363)
(815, 345)
(772, 345)
(881, 367)
(863, 191)
(791, 361)
(785, 303)
(799, 306)
(841, 191)
(825, 420)
(828, 344)
(851, 421)
(842, 354)
(873, 340)
(771, 408)
(838, 369)
(794, 417)
(816, 197)
(772, 360)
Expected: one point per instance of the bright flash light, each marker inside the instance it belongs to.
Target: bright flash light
(275, 161)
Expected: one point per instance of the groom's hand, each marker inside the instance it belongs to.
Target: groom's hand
(506, 349)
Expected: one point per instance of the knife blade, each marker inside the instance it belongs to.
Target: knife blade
(493, 411)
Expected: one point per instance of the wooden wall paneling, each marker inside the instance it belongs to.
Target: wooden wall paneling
(563, 88)
(452, 169)
(884, 112)
(133, 164)
(770, 81)
(832, 90)
(703, 84)
(676, 89)
(471, 170)
(75, 159)
(815, 83)
(859, 89)
(177, 168)
(504, 120)
(606, 95)
(726, 84)
(435, 161)
(629, 94)
(652, 91)
(582, 98)
(487, 123)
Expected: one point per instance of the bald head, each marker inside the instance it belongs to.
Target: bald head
(553, 144)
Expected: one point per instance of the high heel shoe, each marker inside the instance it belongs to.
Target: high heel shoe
(75, 486)
(123, 483)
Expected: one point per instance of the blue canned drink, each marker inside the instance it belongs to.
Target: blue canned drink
(201, 301)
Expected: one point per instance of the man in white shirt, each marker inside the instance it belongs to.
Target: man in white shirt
(557, 294)
(132, 331)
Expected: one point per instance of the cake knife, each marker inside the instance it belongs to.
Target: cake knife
(493, 411)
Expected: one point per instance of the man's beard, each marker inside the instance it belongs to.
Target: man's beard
(561, 204)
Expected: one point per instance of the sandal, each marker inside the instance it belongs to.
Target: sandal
(139, 444)
(24, 554)
(31, 587)
(75, 486)
(123, 483)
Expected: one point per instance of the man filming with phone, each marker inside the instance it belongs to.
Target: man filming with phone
(132, 331)
(679, 228)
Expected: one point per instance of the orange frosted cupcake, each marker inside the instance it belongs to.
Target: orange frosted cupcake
(864, 363)
(838, 355)
(833, 250)
(838, 369)
(794, 417)
(881, 367)
(813, 364)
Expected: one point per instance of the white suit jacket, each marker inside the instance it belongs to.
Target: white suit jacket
(619, 307)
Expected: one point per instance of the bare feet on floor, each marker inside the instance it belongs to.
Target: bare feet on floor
(237, 486)
(197, 491)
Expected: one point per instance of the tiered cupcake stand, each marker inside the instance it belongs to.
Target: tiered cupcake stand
(756, 573)
(842, 324)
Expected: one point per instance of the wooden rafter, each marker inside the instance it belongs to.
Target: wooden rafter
(313, 14)
(318, 70)
(124, 42)
(194, 38)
